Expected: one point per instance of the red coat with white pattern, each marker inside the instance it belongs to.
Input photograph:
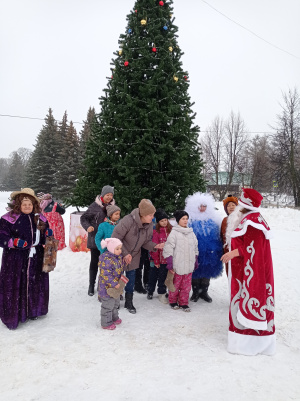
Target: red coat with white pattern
(251, 280)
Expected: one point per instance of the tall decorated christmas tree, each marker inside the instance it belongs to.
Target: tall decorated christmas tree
(144, 142)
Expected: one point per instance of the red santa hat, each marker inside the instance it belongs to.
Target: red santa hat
(250, 199)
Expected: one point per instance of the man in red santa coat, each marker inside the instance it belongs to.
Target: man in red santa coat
(251, 280)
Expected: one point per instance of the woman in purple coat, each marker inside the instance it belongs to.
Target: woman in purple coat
(24, 288)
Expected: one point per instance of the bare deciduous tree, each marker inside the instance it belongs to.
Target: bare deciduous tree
(213, 148)
(286, 145)
(259, 171)
(235, 142)
(223, 150)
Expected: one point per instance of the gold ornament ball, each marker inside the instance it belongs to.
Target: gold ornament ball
(175, 79)
(143, 22)
(170, 48)
(120, 52)
(78, 242)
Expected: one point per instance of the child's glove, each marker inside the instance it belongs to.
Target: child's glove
(169, 262)
(170, 281)
(152, 263)
(49, 232)
(19, 243)
(116, 292)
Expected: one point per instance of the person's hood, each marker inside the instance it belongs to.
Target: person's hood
(183, 230)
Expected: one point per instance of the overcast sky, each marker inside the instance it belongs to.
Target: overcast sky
(57, 53)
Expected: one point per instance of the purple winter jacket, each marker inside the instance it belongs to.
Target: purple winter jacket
(111, 268)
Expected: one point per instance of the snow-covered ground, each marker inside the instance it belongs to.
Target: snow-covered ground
(158, 354)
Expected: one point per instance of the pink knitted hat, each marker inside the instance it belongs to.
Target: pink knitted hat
(110, 244)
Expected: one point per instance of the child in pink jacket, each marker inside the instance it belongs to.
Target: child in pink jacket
(158, 265)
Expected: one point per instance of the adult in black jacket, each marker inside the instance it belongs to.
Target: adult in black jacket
(90, 221)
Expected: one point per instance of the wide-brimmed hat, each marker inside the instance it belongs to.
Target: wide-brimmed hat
(24, 191)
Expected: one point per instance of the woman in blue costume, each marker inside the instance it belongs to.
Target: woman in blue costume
(206, 225)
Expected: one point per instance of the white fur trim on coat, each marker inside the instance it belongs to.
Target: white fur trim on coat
(251, 345)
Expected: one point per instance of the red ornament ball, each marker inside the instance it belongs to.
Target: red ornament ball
(185, 77)
(161, 3)
(135, 11)
(154, 49)
(126, 63)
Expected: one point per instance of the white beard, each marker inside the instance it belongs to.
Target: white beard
(233, 221)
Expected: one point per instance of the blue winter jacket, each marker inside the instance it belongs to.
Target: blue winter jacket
(105, 230)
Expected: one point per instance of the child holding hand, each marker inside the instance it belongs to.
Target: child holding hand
(158, 265)
(180, 251)
(111, 282)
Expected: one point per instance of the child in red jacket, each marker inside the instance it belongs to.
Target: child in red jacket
(158, 265)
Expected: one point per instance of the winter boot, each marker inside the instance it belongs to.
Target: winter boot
(169, 283)
(203, 290)
(195, 287)
(111, 327)
(91, 290)
(174, 305)
(163, 299)
(185, 308)
(116, 292)
(149, 296)
(128, 302)
(140, 289)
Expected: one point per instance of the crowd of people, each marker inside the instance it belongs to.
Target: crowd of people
(176, 255)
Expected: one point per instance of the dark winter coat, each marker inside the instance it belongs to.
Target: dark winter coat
(94, 216)
(59, 208)
(24, 288)
(134, 235)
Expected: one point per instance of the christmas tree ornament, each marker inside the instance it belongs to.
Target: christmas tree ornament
(120, 52)
(170, 48)
(143, 22)
(135, 11)
(175, 78)
(129, 30)
(185, 77)
(165, 28)
(154, 49)
(161, 3)
(126, 63)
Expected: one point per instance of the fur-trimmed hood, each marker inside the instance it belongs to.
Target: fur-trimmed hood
(193, 202)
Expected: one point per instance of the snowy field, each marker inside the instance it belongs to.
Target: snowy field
(158, 354)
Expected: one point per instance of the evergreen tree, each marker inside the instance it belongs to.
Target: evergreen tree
(145, 143)
(4, 168)
(15, 176)
(67, 172)
(40, 172)
(85, 133)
